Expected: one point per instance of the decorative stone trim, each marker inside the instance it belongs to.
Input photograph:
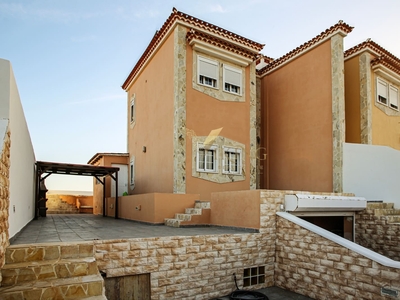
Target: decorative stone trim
(218, 176)
(365, 98)
(258, 132)
(338, 111)
(218, 93)
(180, 110)
(255, 123)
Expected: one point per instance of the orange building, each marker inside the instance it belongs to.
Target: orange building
(192, 111)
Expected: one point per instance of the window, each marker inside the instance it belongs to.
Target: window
(207, 158)
(253, 276)
(387, 94)
(232, 163)
(207, 72)
(232, 80)
(132, 110)
(132, 171)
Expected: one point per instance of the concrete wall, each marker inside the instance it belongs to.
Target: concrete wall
(150, 208)
(22, 157)
(4, 188)
(372, 172)
(321, 265)
(297, 123)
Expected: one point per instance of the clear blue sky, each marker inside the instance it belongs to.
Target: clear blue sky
(70, 57)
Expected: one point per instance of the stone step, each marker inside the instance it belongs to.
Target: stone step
(379, 205)
(183, 217)
(172, 222)
(193, 211)
(19, 273)
(47, 251)
(82, 287)
(202, 204)
(386, 212)
(393, 219)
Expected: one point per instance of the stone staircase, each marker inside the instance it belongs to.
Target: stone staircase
(387, 210)
(199, 215)
(55, 205)
(51, 271)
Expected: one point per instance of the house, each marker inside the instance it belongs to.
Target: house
(192, 111)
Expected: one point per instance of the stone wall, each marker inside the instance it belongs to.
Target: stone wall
(4, 196)
(312, 265)
(374, 230)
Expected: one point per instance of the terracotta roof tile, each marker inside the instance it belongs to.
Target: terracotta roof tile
(340, 26)
(223, 44)
(384, 57)
(196, 23)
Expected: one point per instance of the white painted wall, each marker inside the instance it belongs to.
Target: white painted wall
(122, 180)
(372, 172)
(22, 157)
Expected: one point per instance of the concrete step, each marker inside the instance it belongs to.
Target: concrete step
(81, 287)
(199, 215)
(183, 217)
(193, 211)
(172, 222)
(19, 273)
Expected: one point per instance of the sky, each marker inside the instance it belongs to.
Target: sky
(70, 57)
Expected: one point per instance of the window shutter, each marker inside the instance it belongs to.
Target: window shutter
(208, 68)
(233, 76)
(382, 91)
(394, 97)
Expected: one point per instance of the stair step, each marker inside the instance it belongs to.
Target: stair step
(16, 274)
(183, 217)
(193, 211)
(41, 252)
(82, 287)
(172, 222)
(202, 204)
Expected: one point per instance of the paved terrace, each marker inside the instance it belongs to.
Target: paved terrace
(85, 227)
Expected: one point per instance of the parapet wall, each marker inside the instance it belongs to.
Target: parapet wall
(4, 195)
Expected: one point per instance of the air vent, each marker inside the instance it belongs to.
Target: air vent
(389, 292)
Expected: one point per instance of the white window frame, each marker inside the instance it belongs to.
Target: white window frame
(132, 172)
(201, 78)
(231, 87)
(132, 110)
(391, 91)
(230, 151)
(206, 149)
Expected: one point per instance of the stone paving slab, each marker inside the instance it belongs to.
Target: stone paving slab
(84, 227)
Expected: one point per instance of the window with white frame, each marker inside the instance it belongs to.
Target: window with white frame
(387, 94)
(208, 72)
(207, 158)
(132, 109)
(232, 80)
(132, 171)
(232, 160)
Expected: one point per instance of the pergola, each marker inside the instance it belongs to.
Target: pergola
(99, 172)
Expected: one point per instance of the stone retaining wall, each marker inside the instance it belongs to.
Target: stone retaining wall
(4, 196)
(376, 233)
(312, 265)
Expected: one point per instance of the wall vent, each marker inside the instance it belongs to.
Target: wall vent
(389, 292)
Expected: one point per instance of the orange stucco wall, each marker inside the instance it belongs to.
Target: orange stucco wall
(297, 111)
(352, 100)
(153, 129)
(152, 208)
(205, 113)
(238, 209)
(106, 161)
(385, 128)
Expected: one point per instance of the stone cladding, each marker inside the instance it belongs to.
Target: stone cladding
(312, 265)
(378, 228)
(4, 196)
